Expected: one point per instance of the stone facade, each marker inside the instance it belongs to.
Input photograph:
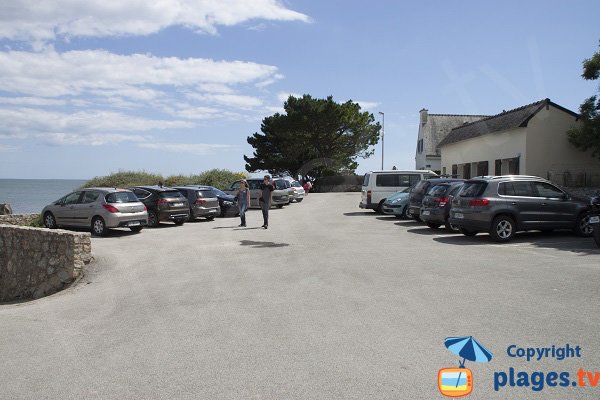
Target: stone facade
(18, 219)
(36, 262)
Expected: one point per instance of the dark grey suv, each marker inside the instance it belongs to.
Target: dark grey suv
(503, 205)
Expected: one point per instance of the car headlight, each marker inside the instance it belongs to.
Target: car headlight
(228, 203)
(396, 201)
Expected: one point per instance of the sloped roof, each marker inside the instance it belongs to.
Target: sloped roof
(441, 125)
(519, 117)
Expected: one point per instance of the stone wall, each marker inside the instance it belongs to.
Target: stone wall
(18, 219)
(36, 262)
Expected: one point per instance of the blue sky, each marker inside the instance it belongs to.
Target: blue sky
(176, 86)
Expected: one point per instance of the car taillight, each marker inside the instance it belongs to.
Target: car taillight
(442, 201)
(200, 201)
(110, 209)
(369, 197)
(145, 208)
(161, 202)
(479, 202)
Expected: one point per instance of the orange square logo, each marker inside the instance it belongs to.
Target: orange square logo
(455, 382)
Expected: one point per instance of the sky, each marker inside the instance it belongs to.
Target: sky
(92, 87)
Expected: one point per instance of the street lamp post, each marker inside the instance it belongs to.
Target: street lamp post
(382, 136)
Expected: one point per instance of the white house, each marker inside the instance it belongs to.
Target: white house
(433, 128)
(529, 140)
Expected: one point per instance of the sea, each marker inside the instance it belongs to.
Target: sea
(31, 195)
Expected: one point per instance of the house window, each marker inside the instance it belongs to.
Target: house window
(454, 170)
(466, 171)
(498, 167)
(482, 168)
(443, 170)
(420, 146)
(513, 166)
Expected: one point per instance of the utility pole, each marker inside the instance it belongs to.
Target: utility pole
(382, 136)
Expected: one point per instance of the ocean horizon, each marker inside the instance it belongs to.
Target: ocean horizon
(31, 195)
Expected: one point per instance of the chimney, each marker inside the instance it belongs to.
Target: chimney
(423, 113)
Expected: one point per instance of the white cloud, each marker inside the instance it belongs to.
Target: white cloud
(283, 96)
(35, 21)
(194, 148)
(367, 105)
(94, 139)
(71, 73)
(23, 122)
(31, 101)
(6, 148)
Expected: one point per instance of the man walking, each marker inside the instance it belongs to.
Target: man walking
(265, 198)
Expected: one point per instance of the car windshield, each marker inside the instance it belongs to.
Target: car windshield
(168, 194)
(204, 193)
(280, 184)
(296, 184)
(216, 192)
(473, 189)
(437, 190)
(121, 197)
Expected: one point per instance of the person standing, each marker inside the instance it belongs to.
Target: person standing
(243, 201)
(266, 195)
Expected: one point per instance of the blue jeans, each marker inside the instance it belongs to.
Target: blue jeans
(243, 214)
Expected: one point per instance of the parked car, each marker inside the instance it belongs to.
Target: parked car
(280, 196)
(298, 191)
(163, 203)
(504, 205)
(397, 204)
(284, 185)
(227, 203)
(436, 205)
(418, 193)
(99, 209)
(379, 185)
(594, 218)
(202, 201)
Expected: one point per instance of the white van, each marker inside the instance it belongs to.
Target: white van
(378, 185)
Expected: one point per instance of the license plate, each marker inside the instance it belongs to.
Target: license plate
(458, 216)
(133, 223)
(594, 220)
(425, 213)
(177, 204)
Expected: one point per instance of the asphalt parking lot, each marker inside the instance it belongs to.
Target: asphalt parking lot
(331, 302)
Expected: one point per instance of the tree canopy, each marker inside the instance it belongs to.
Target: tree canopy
(314, 137)
(587, 135)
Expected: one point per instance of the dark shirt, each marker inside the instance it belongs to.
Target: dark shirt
(265, 196)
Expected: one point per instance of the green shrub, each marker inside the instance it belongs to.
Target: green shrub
(124, 179)
(38, 222)
(220, 178)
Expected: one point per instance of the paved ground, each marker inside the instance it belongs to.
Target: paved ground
(329, 303)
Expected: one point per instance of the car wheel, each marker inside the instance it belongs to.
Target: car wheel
(582, 226)
(467, 232)
(450, 228)
(98, 226)
(136, 229)
(299, 200)
(405, 212)
(379, 208)
(432, 225)
(210, 218)
(179, 222)
(279, 205)
(152, 219)
(50, 221)
(503, 228)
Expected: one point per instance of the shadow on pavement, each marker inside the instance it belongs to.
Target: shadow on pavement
(565, 241)
(360, 214)
(431, 232)
(225, 227)
(409, 222)
(247, 229)
(261, 245)
(388, 218)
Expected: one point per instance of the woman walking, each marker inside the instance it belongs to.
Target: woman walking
(243, 201)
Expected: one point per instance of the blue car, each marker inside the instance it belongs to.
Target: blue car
(397, 204)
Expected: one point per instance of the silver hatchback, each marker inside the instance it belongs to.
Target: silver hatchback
(98, 209)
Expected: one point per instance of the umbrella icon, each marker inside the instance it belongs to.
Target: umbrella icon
(469, 349)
